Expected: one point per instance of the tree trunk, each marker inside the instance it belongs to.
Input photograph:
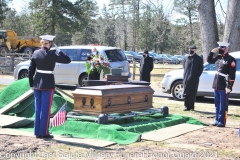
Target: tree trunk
(208, 26)
(232, 25)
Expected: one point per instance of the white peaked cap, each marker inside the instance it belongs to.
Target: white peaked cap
(47, 37)
(225, 44)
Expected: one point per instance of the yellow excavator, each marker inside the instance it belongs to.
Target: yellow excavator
(11, 43)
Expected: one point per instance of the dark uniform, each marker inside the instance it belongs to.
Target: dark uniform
(224, 78)
(43, 63)
(193, 68)
(146, 69)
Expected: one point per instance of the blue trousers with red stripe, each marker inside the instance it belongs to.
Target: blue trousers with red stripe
(221, 104)
(43, 104)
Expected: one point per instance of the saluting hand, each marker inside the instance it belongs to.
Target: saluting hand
(215, 50)
(57, 49)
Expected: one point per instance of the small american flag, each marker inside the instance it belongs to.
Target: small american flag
(60, 117)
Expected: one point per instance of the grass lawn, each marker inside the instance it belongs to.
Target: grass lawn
(2, 87)
(158, 68)
(204, 111)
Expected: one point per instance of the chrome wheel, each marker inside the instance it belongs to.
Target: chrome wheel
(177, 91)
(23, 74)
(82, 78)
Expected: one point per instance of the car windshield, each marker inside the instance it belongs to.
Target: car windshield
(132, 53)
(169, 56)
(153, 53)
(209, 67)
(178, 56)
(115, 55)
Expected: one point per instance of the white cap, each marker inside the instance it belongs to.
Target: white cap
(224, 44)
(47, 37)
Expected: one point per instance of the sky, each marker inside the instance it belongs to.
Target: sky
(19, 5)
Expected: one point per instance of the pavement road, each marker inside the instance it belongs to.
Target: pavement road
(157, 93)
(8, 81)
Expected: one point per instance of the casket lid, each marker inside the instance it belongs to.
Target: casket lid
(113, 90)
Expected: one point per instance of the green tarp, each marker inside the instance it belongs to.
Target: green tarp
(121, 131)
(26, 107)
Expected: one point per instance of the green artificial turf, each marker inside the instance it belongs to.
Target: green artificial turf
(121, 131)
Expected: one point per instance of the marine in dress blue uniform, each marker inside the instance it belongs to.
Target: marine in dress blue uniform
(223, 80)
(41, 79)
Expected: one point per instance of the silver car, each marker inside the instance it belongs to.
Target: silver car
(75, 72)
(172, 82)
(129, 57)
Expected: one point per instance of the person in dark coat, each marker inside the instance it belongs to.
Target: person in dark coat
(146, 67)
(223, 80)
(41, 80)
(193, 68)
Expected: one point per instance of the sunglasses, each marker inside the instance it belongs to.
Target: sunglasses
(221, 47)
(46, 43)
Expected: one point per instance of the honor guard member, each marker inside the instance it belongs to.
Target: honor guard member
(223, 80)
(41, 80)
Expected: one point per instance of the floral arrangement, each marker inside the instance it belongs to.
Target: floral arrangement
(98, 63)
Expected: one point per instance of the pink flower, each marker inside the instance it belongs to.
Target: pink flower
(105, 64)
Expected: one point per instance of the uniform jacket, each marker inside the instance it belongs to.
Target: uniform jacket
(43, 59)
(225, 64)
(146, 69)
(193, 68)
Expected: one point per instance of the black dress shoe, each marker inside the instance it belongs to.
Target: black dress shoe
(186, 109)
(47, 136)
(38, 136)
(220, 125)
(215, 124)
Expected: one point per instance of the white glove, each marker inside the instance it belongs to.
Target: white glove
(227, 90)
(57, 48)
(215, 50)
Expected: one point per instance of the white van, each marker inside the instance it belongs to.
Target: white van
(75, 72)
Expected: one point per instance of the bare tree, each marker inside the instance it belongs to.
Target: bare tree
(232, 26)
(133, 26)
(208, 25)
(187, 8)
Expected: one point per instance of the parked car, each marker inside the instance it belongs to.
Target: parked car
(136, 56)
(129, 57)
(179, 57)
(157, 58)
(75, 72)
(172, 82)
(141, 53)
(167, 58)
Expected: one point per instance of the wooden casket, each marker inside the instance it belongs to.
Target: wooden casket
(95, 100)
